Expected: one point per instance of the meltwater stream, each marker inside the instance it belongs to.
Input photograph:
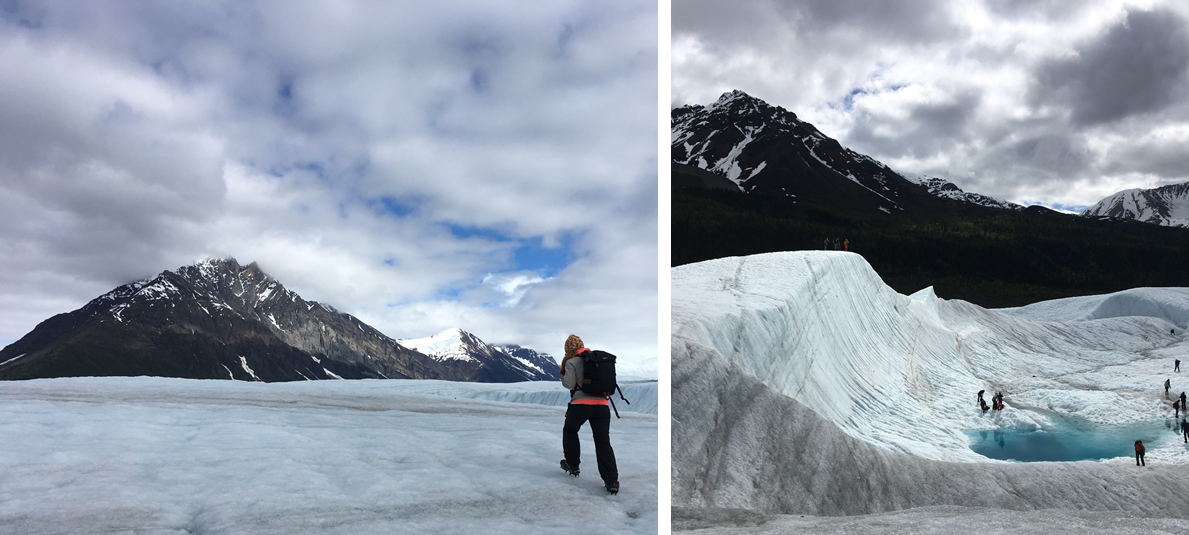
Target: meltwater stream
(1071, 439)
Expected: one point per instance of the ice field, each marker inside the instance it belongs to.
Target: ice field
(151, 455)
(804, 385)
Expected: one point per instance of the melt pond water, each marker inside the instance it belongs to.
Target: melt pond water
(1070, 440)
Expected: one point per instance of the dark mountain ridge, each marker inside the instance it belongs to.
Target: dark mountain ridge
(219, 320)
(751, 178)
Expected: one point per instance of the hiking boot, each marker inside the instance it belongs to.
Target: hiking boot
(613, 487)
(572, 471)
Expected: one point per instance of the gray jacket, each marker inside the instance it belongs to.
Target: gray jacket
(573, 377)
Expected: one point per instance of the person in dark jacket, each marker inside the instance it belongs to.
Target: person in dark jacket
(1185, 430)
(584, 408)
(1167, 385)
(1176, 367)
(1182, 401)
(1139, 453)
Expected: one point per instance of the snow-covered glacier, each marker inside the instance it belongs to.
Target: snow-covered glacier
(156, 455)
(801, 383)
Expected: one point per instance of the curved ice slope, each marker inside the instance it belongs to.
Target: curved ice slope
(901, 372)
(738, 444)
(802, 384)
(1169, 304)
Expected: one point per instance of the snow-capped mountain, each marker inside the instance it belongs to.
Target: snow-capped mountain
(742, 143)
(219, 320)
(767, 149)
(533, 359)
(458, 345)
(944, 188)
(1166, 206)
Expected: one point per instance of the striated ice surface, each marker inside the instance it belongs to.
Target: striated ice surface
(802, 384)
(175, 456)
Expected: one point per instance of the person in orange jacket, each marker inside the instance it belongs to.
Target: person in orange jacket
(1139, 453)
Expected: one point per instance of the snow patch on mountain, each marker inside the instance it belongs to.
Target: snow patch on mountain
(446, 345)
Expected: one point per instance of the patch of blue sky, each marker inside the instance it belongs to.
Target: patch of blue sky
(528, 254)
(284, 104)
(532, 255)
(391, 206)
(480, 81)
(848, 102)
(1067, 208)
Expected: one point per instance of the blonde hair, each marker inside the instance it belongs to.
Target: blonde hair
(573, 344)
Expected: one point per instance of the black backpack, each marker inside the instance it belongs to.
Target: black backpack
(598, 376)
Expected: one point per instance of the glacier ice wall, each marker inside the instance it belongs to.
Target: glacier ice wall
(802, 383)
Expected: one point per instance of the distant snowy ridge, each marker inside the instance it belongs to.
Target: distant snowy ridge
(944, 188)
(1166, 206)
(446, 345)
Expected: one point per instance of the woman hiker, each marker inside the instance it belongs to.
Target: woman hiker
(584, 407)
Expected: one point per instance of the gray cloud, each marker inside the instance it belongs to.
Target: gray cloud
(1039, 101)
(1137, 66)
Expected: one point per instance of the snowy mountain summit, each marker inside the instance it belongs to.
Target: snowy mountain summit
(944, 188)
(755, 145)
(1166, 206)
(218, 319)
(744, 144)
(457, 344)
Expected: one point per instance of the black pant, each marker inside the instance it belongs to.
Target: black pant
(1139, 458)
(599, 417)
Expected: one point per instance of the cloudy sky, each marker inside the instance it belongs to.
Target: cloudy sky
(1046, 101)
(421, 165)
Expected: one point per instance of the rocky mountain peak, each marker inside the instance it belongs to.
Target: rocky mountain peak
(218, 319)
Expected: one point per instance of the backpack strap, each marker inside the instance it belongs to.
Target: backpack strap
(608, 398)
(625, 400)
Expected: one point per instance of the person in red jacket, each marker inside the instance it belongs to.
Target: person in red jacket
(1139, 453)
(584, 407)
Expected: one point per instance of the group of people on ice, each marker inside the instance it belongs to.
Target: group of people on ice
(833, 244)
(996, 401)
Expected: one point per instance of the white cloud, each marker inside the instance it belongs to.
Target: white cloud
(338, 144)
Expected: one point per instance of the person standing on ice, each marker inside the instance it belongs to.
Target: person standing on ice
(1176, 367)
(1185, 430)
(1139, 453)
(980, 398)
(584, 408)
(1182, 401)
(1167, 385)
